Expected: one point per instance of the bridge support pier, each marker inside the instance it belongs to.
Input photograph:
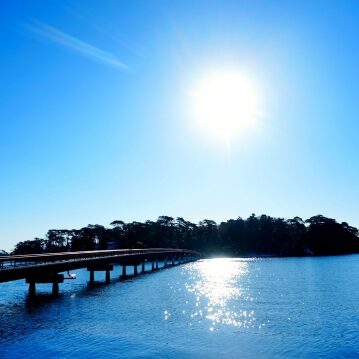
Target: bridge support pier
(152, 266)
(55, 288)
(32, 288)
(107, 268)
(157, 265)
(143, 267)
(124, 275)
(135, 271)
(52, 278)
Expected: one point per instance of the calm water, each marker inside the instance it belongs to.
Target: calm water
(250, 308)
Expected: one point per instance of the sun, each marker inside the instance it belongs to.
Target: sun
(225, 104)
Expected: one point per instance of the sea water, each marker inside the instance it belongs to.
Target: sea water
(212, 308)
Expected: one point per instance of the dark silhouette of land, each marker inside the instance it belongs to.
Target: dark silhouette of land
(255, 236)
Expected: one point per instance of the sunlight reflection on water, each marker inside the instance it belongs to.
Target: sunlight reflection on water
(216, 285)
(244, 307)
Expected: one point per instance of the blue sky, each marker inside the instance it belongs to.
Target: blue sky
(96, 121)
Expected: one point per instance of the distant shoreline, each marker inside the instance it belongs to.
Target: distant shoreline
(260, 236)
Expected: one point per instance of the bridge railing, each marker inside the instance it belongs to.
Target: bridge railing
(33, 259)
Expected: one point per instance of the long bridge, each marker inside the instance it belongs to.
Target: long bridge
(48, 267)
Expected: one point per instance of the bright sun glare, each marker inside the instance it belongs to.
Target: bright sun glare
(226, 105)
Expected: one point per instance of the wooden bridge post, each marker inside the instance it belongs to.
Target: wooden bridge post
(156, 264)
(135, 272)
(143, 267)
(153, 266)
(123, 271)
(92, 276)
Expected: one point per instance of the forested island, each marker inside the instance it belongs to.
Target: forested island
(255, 236)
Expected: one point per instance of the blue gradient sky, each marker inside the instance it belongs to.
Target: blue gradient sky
(95, 117)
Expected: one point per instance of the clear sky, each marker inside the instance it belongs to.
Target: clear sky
(97, 115)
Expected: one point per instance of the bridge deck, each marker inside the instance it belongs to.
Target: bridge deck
(22, 266)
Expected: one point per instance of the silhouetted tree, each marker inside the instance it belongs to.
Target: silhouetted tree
(256, 235)
(57, 240)
(34, 246)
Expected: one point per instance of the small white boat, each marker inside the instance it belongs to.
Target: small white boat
(70, 276)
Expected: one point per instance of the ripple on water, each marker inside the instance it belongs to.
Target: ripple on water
(253, 308)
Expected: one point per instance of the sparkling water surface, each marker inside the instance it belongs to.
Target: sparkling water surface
(213, 308)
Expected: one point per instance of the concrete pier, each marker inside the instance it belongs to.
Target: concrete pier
(55, 288)
(52, 278)
(107, 268)
(92, 276)
(32, 288)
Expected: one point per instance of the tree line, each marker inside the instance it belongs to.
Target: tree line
(255, 236)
